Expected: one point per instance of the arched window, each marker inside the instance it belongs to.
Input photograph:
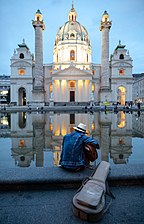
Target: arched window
(87, 39)
(22, 122)
(57, 57)
(22, 97)
(50, 88)
(93, 87)
(72, 35)
(121, 56)
(57, 40)
(121, 95)
(121, 123)
(72, 55)
(87, 58)
(21, 56)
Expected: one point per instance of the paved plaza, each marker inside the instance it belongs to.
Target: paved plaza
(44, 195)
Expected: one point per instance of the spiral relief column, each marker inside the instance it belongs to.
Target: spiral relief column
(38, 82)
(105, 92)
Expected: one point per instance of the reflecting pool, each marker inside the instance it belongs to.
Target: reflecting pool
(34, 139)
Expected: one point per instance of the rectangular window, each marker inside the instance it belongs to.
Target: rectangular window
(72, 96)
(21, 71)
(21, 143)
(121, 72)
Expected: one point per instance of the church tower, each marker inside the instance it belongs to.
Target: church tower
(121, 75)
(105, 93)
(38, 85)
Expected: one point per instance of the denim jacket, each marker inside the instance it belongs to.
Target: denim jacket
(72, 155)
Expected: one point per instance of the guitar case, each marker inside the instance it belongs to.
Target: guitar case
(89, 202)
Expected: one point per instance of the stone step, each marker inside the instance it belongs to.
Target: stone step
(55, 177)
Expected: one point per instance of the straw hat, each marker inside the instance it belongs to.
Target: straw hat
(81, 127)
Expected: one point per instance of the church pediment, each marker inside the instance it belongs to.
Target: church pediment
(72, 71)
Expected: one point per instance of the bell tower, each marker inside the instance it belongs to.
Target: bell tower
(105, 91)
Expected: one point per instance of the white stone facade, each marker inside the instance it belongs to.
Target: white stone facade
(138, 88)
(121, 75)
(21, 75)
(72, 77)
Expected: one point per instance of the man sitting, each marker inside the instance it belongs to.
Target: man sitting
(76, 149)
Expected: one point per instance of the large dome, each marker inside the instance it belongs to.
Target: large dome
(72, 30)
(72, 43)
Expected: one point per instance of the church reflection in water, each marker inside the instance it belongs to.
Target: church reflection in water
(35, 135)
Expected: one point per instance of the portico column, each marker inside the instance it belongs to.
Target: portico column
(90, 91)
(76, 94)
(67, 90)
(60, 90)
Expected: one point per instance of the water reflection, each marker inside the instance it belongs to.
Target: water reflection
(34, 135)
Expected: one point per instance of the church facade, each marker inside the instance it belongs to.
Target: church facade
(72, 77)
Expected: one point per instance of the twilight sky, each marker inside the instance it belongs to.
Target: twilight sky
(127, 25)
